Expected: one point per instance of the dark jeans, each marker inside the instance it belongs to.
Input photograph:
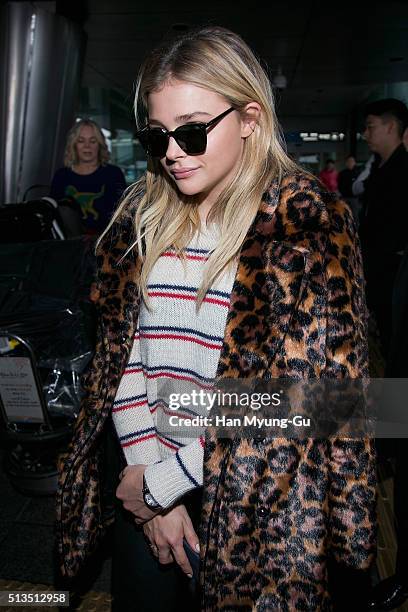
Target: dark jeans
(139, 582)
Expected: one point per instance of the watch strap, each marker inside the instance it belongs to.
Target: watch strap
(148, 497)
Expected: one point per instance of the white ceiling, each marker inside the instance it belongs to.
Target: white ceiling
(333, 53)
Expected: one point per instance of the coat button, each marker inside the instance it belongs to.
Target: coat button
(262, 511)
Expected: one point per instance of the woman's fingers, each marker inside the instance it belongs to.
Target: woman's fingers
(164, 555)
(191, 536)
(161, 551)
(166, 536)
(181, 558)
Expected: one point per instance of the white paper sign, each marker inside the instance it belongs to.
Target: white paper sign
(18, 390)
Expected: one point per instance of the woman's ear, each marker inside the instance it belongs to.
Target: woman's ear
(251, 114)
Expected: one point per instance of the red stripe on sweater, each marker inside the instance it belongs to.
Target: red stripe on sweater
(124, 444)
(176, 376)
(169, 412)
(133, 371)
(182, 296)
(127, 406)
(177, 337)
(178, 412)
(165, 443)
(197, 257)
(159, 404)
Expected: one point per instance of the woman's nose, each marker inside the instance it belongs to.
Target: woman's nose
(174, 151)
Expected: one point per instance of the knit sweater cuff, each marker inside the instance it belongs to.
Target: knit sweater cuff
(174, 477)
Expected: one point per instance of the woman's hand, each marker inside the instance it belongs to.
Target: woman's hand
(165, 534)
(130, 493)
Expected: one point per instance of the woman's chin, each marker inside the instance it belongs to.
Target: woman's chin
(189, 187)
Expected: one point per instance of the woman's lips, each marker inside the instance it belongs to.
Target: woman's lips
(182, 174)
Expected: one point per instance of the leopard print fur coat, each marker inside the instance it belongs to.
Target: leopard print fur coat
(275, 509)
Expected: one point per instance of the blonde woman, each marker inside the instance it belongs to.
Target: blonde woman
(225, 260)
(88, 178)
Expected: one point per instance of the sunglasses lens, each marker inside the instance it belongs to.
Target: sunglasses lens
(157, 143)
(143, 137)
(192, 138)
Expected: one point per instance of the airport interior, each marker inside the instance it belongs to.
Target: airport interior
(63, 63)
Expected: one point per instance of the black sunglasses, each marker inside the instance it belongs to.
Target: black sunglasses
(191, 137)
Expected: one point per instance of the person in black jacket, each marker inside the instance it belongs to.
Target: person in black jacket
(384, 225)
(384, 233)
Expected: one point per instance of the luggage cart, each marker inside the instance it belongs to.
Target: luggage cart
(32, 437)
(47, 328)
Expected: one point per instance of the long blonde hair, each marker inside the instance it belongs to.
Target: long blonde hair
(221, 62)
(70, 155)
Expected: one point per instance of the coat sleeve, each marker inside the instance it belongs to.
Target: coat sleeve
(352, 468)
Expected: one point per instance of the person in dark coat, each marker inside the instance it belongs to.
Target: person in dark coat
(384, 236)
(384, 224)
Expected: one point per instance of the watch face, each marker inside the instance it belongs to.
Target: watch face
(150, 501)
(148, 497)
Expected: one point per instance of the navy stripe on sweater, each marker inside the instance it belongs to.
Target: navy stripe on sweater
(186, 472)
(181, 330)
(184, 288)
(133, 398)
(136, 433)
(152, 369)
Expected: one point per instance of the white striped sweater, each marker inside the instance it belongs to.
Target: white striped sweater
(175, 350)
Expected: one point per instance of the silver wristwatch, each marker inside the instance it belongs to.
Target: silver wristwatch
(148, 497)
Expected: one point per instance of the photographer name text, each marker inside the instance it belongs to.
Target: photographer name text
(244, 421)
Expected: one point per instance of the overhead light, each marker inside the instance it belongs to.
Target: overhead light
(314, 136)
(279, 80)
